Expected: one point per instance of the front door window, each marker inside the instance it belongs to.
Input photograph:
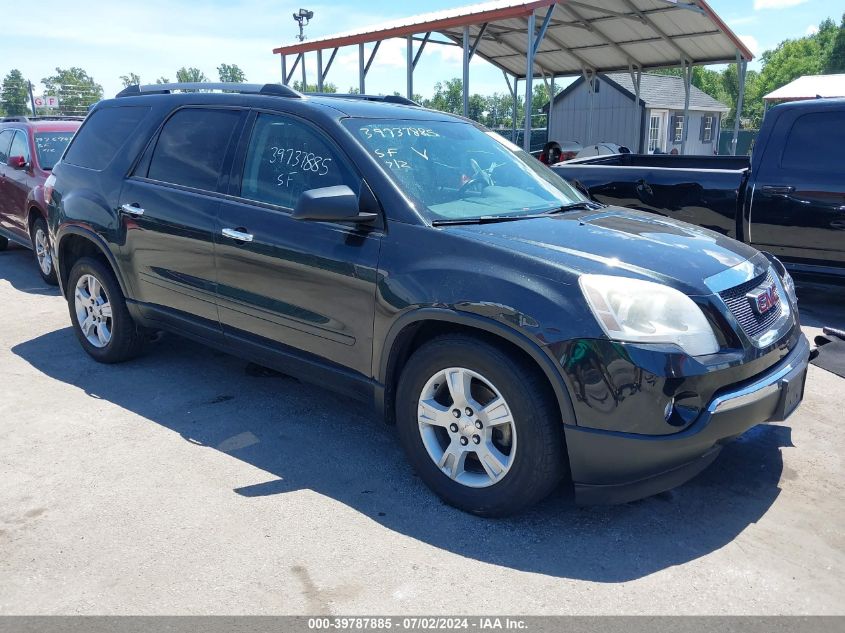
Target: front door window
(654, 133)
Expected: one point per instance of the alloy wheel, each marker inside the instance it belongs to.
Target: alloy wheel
(42, 251)
(93, 311)
(467, 427)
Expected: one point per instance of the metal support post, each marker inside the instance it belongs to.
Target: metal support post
(410, 68)
(465, 63)
(361, 68)
(636, 78)
(687, 68)
(320, 70)
(741, 68)
(529, 80)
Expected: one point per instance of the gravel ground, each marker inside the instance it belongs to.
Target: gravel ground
(182, 483)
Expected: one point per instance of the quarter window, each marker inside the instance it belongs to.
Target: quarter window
(286, 158)
(816, 143)
(191, 147)
(103, 134)
(20, 147)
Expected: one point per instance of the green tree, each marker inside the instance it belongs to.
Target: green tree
(14, 94)
(190, 75)
(230, 73)
(500, 110)
(448, 96)
(835, 62)
(75, 89)
(162, 80)
(130, 80)
(327, 87)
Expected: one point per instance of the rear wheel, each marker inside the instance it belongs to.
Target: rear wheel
(43, 253)
(479, 426)
(101, 321)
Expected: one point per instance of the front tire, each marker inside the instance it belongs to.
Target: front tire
(43, 253)
(480, 426)
(101, 321)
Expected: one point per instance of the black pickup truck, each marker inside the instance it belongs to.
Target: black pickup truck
(788, 198)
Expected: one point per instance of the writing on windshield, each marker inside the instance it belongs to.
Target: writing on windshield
(456, 170)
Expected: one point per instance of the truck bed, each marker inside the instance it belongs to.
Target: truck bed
(702, 190)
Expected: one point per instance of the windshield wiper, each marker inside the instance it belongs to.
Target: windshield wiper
(583, 205)
(492, 219)
(484, 219)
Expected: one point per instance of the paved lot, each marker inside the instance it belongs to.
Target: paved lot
(179, 483)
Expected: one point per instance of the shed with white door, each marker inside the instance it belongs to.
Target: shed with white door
(658, 122)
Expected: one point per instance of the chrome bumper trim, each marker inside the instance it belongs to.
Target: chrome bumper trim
(765, 386)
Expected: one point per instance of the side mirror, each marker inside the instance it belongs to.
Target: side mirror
(16, 162)
(331, 204)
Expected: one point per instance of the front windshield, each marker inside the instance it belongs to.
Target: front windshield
(50, 146)
(459, 171)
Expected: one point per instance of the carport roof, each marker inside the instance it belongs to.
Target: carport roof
(809, 87)
(598, 36)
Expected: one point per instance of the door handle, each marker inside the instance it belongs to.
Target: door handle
(776, 190)
(238, 236)
(132, 209)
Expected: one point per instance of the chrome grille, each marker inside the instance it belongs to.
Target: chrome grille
(753, 324)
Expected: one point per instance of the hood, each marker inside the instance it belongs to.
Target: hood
(619, 241)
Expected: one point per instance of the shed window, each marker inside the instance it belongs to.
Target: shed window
(678, 128)
(707, 122)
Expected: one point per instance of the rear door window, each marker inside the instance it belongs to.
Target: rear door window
(816, 143)
(102, 135)
(286, 157)
(5, 141)
(192, 146)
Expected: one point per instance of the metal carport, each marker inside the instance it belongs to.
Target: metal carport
(547, 39)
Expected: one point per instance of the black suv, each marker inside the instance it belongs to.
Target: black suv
(515, 332)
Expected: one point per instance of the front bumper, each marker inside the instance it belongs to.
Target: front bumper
(612, 467)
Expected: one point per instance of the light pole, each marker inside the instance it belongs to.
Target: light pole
(303, 17)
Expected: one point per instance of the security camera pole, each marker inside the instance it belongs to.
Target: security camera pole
(303, 17)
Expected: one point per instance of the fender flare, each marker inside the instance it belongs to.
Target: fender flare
(94, 238)
(534, 351)
(32, 204)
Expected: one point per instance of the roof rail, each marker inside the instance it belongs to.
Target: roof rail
(382, 98)
(276, 90)
(41, 117)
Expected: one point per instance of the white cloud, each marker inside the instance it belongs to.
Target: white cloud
(812, 30)
(776, 4)
(751, 42)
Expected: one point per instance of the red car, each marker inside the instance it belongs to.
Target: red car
(29, 147)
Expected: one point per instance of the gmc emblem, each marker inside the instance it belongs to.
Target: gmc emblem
(764, 299)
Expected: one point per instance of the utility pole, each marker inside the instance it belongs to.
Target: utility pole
(31, 98)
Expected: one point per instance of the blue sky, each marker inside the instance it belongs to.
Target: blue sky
(155, 37)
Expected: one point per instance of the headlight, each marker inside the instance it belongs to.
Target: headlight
(789, 286)
(645, 312)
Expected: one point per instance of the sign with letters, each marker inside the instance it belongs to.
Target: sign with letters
(46, 102)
